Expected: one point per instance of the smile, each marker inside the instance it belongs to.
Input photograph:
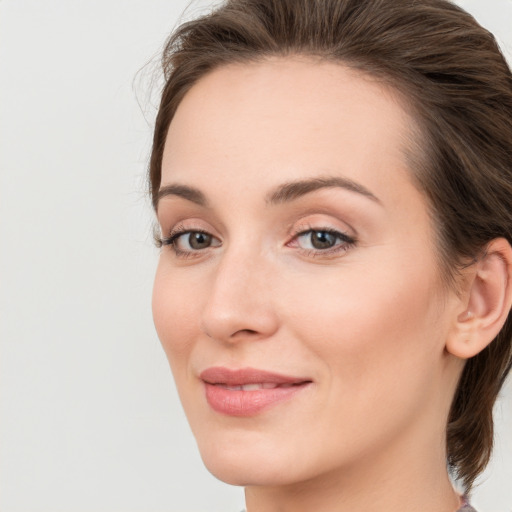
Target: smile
(252, 387)
(247, 392)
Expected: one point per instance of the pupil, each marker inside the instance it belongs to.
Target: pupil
(322, 239)
(199, 240)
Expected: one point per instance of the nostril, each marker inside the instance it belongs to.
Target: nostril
(241, 332)
(245, 332)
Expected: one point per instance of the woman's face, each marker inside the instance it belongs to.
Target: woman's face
(297, 295)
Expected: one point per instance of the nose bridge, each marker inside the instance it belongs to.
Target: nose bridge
(239, 296)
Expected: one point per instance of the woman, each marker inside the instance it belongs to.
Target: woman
(333, 185)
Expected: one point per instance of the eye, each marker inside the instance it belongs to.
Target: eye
(322, 240)
(318, 240)
(195, 240)
(186, 242)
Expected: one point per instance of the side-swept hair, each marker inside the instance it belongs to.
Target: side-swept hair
(458, 87)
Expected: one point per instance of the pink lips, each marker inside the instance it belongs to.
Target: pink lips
(247, 391)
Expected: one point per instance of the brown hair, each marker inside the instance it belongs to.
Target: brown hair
(459, 88)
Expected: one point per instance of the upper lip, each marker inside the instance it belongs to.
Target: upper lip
(244, 376)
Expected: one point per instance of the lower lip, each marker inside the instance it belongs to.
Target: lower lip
(248, 403)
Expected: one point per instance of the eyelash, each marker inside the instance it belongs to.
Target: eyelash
(172, 239)
(346, 241)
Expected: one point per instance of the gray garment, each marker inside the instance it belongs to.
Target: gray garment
(466, 508)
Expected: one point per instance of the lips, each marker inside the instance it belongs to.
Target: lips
(252, 387)
(248, 391)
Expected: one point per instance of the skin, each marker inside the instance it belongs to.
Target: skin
(367, 323)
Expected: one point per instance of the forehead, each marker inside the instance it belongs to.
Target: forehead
(286, 118)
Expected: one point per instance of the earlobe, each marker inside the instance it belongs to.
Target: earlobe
(487, 301)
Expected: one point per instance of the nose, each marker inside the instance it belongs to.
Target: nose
(239, 303)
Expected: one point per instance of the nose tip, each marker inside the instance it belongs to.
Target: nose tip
(237, 324)
(239, 304)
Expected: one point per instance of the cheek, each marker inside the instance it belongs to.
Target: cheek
(174, 314)
(377, 337)
(372, 328)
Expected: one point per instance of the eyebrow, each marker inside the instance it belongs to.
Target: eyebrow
(186, 192)
(295, 189)
(282, 194)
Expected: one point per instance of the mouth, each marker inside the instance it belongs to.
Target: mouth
(248, 391)
(253, 387)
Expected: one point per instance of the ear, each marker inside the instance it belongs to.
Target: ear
(486, 301)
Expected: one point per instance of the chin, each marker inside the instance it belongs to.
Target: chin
(246, 464)
(243, 474)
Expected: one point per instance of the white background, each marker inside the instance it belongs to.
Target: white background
(89, 419)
